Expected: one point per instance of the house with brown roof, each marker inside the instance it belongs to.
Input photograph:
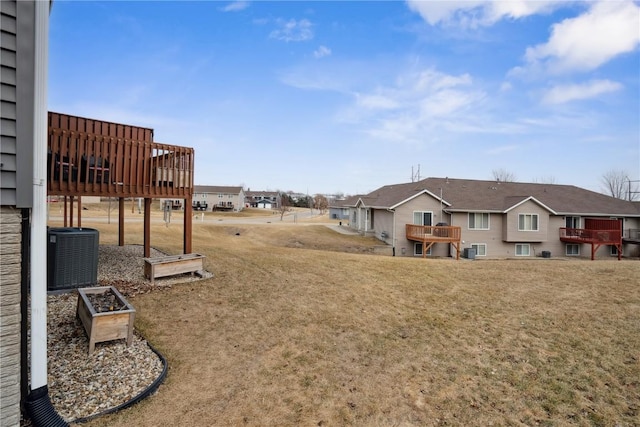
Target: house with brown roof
(443, 217)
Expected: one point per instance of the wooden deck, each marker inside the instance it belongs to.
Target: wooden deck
(88, 157)
(595, 238)
(429, 235)
(631, 235)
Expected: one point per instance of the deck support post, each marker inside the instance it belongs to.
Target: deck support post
(65, 212)
(121, 221)
(80, 211)
(71, 211)
(147, 227)
(188, 226)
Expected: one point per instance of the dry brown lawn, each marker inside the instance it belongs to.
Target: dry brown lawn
(302, 326)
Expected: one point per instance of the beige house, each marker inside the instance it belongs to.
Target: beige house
(490, 219)
(219, 198)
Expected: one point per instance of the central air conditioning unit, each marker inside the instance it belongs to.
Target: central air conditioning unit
(72, 258)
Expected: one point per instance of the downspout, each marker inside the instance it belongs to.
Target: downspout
(38, 404)
(393, 231)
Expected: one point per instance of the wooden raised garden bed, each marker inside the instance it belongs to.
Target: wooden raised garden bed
(173, 264)
(105, 314)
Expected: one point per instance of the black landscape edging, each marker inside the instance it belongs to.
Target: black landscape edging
(143, 395)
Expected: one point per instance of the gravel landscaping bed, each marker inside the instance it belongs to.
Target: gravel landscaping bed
(82, 385)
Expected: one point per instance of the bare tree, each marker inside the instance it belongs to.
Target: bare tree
(503, 175)
(618, 184)
(321, 203)
(550, 179)
(283, 207)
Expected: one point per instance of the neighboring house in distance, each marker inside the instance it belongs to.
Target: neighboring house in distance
(339, 209)
(262, 199)
(498, 219)
(219, 198)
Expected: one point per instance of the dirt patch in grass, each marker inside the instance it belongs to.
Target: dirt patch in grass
(292, 332)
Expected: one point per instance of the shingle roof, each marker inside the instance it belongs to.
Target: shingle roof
(199, 189)
(474, 195)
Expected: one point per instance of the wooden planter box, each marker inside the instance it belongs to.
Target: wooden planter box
(105, 325)
(172, 264)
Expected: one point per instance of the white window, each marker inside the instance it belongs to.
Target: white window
(572, 250)
(417, 249)
(481, 248)
(220, 196)
(523, 249)
(614, 250)
(528, 222)
(478, 220)
(422, 218)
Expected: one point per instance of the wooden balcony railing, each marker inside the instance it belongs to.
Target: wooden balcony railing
(632, 235)
(583, 235)
(86, 164)
(432, 234)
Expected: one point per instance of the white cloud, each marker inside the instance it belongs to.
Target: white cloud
(293, 31)
(322, 51)
(416, 104)
(608, 29)
(235, 6)
(474, 13)
(566, 93)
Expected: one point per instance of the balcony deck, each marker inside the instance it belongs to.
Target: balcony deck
(593, 237)
(87, 157)
(631, 235)
(82, 164)
(429, 235)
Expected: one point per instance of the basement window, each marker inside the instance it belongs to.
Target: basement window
(417, 249)
(523, 249)
(481, 248)
(573, 250)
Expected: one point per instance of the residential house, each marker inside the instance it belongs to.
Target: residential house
(262, 199)
(497, 219)
(219, 198)
(339, 209)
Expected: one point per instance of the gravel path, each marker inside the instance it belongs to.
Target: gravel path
(83, 385)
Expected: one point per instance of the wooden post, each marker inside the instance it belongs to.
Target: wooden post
(71, 211)
(65, 211)
(79, 211)
(147, 227)
(188, 226)
(120, 221)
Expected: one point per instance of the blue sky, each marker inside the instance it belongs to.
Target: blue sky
(347, 96)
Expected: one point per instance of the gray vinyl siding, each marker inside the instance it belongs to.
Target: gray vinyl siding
(17, 68)
(513, 234)
(8, 81)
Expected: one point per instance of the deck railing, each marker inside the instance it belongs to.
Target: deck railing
(632, 234)
(80, 163)
(433, 232)
(587, 236)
